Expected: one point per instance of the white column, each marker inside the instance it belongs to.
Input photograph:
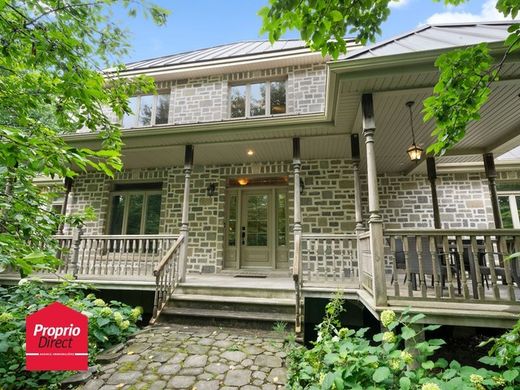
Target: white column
(375, 221)
(183, 257)
(297, 232)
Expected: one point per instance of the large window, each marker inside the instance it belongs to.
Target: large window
(148, 110)
(257, 99)
(135, 211)
(509, 203)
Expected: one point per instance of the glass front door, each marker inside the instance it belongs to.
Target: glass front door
(256, 229)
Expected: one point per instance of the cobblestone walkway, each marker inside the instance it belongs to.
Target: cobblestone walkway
(201, 358)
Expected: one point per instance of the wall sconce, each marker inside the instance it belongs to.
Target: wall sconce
(212, 189)
(243, 181)
(302, 186)
(414, 151)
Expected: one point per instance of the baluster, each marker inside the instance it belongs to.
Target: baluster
(135, 252)
(422, 276)
(460, 251)
(149, 246)
(394, 267)
(89, 242)
(446, 256)
(507, 267)
(407, 265)
(491, 259)
(478, 274)
(437, 268)
(107, 248)
(332, 247)
(342, 259)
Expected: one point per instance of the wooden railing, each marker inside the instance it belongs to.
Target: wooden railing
(330, 257)
(366, 267)
(166, 278)
(468, 265)
(119, 255)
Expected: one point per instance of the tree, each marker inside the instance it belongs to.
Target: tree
(52, 82)
(465, 74)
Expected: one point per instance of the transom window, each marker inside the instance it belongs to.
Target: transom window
(135, 211)
(147, 110)
(257, 99)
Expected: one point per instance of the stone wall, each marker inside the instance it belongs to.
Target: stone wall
(327, 201)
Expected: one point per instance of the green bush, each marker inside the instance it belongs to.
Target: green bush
(109, 324)
(399, 358)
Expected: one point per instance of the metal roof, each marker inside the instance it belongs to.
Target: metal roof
(435, 36)
(228, 51)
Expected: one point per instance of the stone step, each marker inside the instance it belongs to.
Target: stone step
(235, 291)
(232, 303)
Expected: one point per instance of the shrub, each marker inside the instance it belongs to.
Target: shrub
(109, 324)
(398, 358)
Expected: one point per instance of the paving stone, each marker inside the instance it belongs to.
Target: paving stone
(192, 371)
(137, 347)
(197, 349)
(150, 377)
(258, 382)
(206, 376)
(181, 382)
(237, 377)
(228, 388)
(128, 378)
(223, 343)
(213, 359)
(235, 356)
(253, 350)
(161, 357)
(217, 368)
(195, 361)
(247, 362)
(269, 386)
(259, 375)
(207, 385)
(109, 387)
(169, 369)
(158, 385)
(95, 384)
(128, 358)
(221, 336)
(249, 387)
(179, 357)
(206, 341)
(268, 361)
(278, 376)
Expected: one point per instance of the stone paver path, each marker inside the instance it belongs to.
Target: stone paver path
(201, 358)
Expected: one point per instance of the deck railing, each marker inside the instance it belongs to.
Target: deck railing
(166, 278)
(119, 255)
(366, 266)
(330, 257)
(468, 265)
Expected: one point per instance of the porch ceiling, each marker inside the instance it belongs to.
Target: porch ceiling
(497, 131)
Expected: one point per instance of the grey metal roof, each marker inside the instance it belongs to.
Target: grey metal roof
(228, 51)
(435, 36)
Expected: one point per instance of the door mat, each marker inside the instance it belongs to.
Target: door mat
(258, 276)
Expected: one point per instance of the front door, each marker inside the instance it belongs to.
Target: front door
(256, 228)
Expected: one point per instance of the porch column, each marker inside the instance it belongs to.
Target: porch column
(354, 143)
(188, 165)
(68, 188)
(432, 177)
(491, 174)
(297, 233)
(375, 221)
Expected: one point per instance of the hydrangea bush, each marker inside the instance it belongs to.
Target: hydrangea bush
(400, 357)
(109, 324)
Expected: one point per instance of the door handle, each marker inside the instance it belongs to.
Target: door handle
(243, 234)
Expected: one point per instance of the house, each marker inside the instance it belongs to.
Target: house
(262, 175)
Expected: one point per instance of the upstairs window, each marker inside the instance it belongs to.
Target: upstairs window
(257, 99)
(148, 110)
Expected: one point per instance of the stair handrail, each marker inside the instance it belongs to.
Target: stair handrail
(166, 278)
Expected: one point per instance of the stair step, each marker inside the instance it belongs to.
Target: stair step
(233, 299)
(235, 291)
(229, 315)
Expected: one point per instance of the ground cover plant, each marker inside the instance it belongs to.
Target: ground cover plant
(109, 323)
(401, 357)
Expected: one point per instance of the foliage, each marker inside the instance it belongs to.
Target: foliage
(465, 74)
(52, 83)
(398, 358)
(108, 324)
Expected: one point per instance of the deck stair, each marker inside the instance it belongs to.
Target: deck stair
(246, 306)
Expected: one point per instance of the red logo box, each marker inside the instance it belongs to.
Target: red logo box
(56, 338)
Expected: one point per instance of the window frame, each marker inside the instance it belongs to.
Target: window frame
(127, 193)
(248, 84)
(154, 110)
(513, 206)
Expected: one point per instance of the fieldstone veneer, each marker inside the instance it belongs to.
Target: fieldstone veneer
(327, 201)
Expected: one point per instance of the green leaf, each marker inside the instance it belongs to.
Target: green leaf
(407, 333)
(381, 374)
(404, 383)
(328, 381)
(102, 321)
(336, 15)
(510, 375)
(428, 365)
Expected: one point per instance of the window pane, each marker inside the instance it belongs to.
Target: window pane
(281, 218)
(145, 111)
(238, 101)
(129, 120)
(135, 212)
(257, 220)
(153, 214)
(257, 99)
(163, 107)
(278, 97)
(232, 221)
(117, 212)
(505, 212)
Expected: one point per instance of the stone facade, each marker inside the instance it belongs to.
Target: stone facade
(327, 201)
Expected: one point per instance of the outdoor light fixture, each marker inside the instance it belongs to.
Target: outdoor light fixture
(212, 189)
(250, 152)
(414, 151)
(243, 181)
